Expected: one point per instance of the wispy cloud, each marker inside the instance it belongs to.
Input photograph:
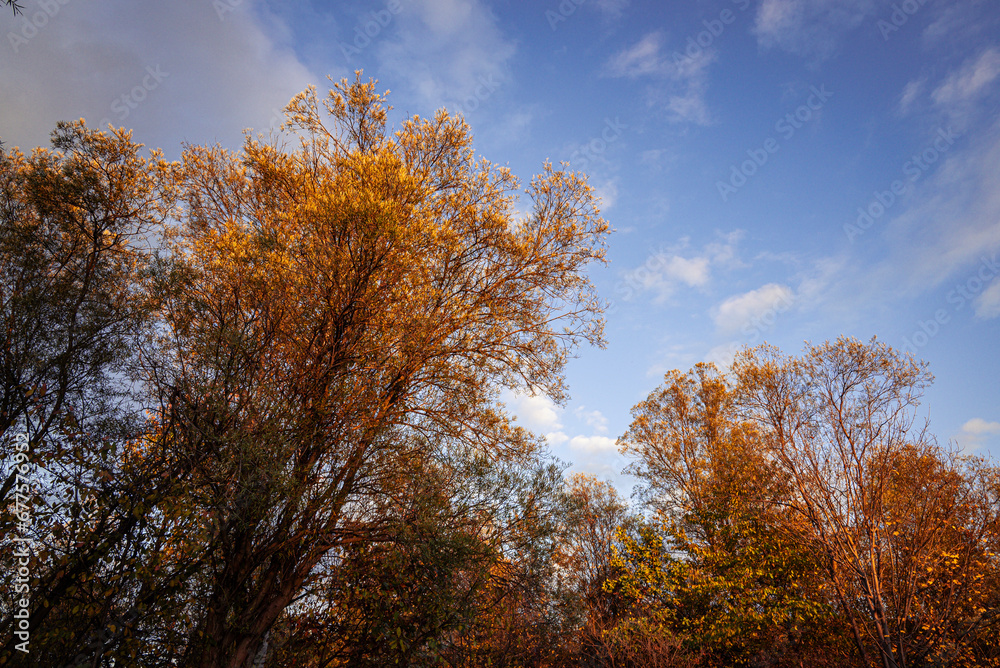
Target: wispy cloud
(958, 94)
(958, 21)
(642, 59)
(738, 311)
(681, 80)
(448, 52)
(668, 269)
(593, 419)
(612, 8)
(953, 219)
(988, 303)
(911, 92)
(976, 433)
(810, 28)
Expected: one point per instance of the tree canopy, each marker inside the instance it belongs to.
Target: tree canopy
(251, 415)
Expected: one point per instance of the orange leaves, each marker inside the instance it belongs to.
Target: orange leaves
(338, 308)
(823, 448)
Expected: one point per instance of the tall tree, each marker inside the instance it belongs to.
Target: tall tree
(323, 308)
(73, 226)
(909, 531)
(71, 251)
(722, 565)
(591, 515)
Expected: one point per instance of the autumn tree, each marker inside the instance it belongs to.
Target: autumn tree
(591, 514)
(720, 565)
(326, 312)
(908, 530)
(72, 222)
(467, 538)
(73, 248)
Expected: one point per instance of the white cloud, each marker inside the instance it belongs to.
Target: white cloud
(233, 72)
(692, 271)
(969, 81)
(776, 18)
(643, 59)
(810, 27)
(448, 52)
(910, 94)
(538, 412)
(607, 193)
(541, 415)
(690, 106)
(979, 427)
(556, 437)
(669, 268)
(593, 419)
(976, 433)
(723, 251)
(988, 303)
(593, 444)
(683, 80)
(743, 310)
(662, 273)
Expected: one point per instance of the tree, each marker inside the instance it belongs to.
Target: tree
(71, 223)
(325, 313)
(908, 531)
(721, 568)
(466, 539)
(72, 228)
(591, 514)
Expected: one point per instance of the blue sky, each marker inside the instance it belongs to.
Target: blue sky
(775, 170)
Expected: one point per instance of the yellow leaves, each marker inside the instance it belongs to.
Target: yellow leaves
(336, 298)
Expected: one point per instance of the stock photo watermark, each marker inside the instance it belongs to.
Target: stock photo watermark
(913, 169)
(30, 25)
(486, 86)
(369, 27)
(563, 11)
(126, 103)
(223, 7)
(581, 158)
(961, 294)
(22, 543)
(786, 126)
(697, 43)
(639, 278)
(900, 16)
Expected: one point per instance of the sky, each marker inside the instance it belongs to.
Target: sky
(780, 171)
